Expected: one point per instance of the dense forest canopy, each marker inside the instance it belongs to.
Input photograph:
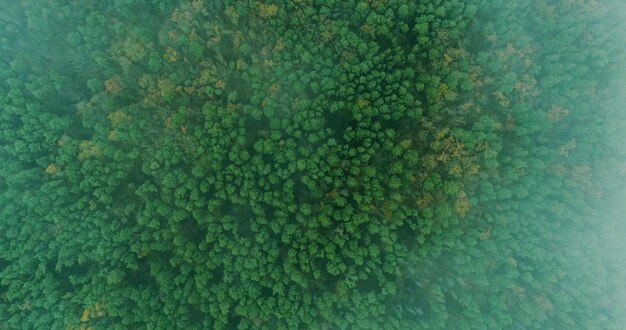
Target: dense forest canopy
(323, 164)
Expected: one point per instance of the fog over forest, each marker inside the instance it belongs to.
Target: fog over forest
(313, 164)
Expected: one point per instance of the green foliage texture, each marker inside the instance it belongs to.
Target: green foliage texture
(309, 164)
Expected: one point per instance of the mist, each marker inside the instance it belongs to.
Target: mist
(313, 164)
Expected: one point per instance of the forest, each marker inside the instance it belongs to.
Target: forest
(312, 164)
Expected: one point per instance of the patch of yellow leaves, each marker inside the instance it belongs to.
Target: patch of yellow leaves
(181, 16)
(197, 5)
(566, 148)
(368, 29)
(113, 85)
(63, 140)
(474, 169)
(274, 88)
(88, 149)
(166, 87)
(171, 55)
(238, 39)
(424, 201)
(117, 117)
(91, 313)
(114, 136)
(526, 86)
(135, 50)
(232, 15)
(280, 45)
(503, 101)
(267, 11)
(557, 113)
(456, 169)
(362, 103)
(462, 205)
(52, 169)
(447, 59)
(446, 93)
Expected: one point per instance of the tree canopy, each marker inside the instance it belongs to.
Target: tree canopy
(323, 164)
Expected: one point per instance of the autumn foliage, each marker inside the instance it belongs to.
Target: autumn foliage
(307, 164)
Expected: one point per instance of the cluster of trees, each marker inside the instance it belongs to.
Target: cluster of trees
(307, 164)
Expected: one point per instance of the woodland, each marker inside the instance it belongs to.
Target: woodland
(310, 164)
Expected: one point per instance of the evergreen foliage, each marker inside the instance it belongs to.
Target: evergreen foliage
(323, 164)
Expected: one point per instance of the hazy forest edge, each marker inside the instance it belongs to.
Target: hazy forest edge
(312, 164)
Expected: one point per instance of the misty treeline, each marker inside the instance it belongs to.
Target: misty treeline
(308, 164)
